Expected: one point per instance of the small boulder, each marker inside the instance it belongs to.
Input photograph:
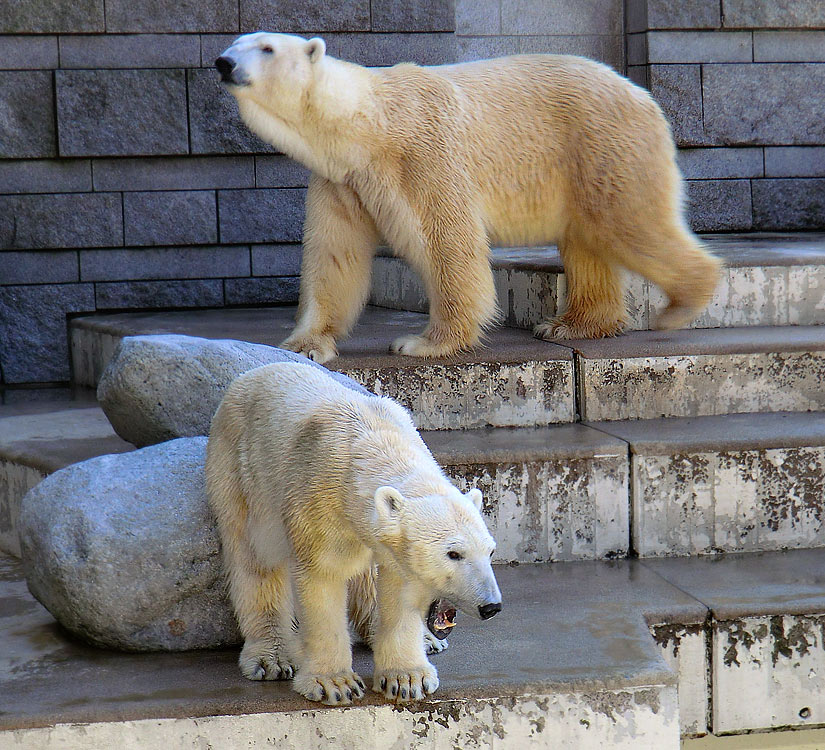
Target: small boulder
(162, 387)
(123, 550)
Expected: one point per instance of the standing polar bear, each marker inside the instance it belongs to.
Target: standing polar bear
(312, 484)
(441, 161)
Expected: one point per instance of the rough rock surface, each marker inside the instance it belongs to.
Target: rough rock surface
(124, 552)
(162, 387)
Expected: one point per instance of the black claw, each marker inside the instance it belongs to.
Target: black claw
(323, 692)
(361, 684)
(394, 691)
(349, 695)
(337, 697)
(403, 692)
(383, 683)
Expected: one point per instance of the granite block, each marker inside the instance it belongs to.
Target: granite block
(636, 48)
(174, 173)
(477, 17)
(764, 104)
(469, 48)
(214, 122)
(276, 260)
(795, 161)
(791, 204)
(155, 294)
(51, 16)
(685, 14)
(560, 17)
(162, 16)
(699, 46)
(635, 16)
(181, 217)
(38, 267)
(389, 49)
(719, 205)
(279, 171)
(639, 75)
(413, 15)
(789, 46)
(262, 291)
(27, 52)
(212, 45)
(33, 329)
(96, 119)
(45, 176)
(27, 114)
(126, 264)
(678, 90)
(290, 16)
(58, 221)
(720, 163)
(130, 51)
(605, 48)
(795, 14)
(261, 215)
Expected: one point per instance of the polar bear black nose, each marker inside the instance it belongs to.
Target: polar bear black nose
(486, 611)
(225, 66)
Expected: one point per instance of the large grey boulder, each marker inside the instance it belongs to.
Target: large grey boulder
(161, 387)
(124, 552)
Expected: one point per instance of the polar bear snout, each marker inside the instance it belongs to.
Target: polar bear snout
(486, 611)
(228, 68)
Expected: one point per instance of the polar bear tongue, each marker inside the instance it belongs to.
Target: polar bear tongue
(441, 618)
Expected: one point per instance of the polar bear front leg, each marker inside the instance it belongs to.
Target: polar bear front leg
(339, 242)
(454, 265)
(325, 673)
(402, 671)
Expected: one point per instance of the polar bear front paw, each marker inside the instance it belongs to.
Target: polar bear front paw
(421, 346)
(563, 329)
(262, 660)
(401, 686)
(337, 689)
(433, 645)
(318, 347)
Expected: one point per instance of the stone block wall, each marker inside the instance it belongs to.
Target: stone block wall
(741, 82)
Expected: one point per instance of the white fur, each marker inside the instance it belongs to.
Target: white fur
(312, 484)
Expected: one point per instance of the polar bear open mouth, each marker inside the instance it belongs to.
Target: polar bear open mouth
(441, 618)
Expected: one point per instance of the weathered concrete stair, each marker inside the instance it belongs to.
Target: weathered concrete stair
(516, 380)
(570, 663)
(769, 280)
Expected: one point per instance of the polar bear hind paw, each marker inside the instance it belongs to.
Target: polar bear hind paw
(318, 347)
(563, 329)
(337, 689)
(400, 686)
(434, 645)
(261, 660)
(421, 346)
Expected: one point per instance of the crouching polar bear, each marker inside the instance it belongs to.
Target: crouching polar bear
(441, 161)
(312, 484)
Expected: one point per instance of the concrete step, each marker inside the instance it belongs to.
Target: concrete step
(42, 431)
(736, 647)
(514, 380)
(653, 374)
(732, 483)
(770, 280)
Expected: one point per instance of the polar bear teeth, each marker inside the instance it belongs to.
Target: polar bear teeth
(441, 618)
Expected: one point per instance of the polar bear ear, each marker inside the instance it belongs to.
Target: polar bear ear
(476, 497)
(388, 502)
(315, 49)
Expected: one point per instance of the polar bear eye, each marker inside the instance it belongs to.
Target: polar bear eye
(267, 50)
(453, 555)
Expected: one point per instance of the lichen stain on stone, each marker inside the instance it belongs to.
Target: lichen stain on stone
(791, 486)
(798, 641)
(673, 633)
(609, 704)
(738, 635)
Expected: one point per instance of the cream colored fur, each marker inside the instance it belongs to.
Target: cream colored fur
(442, 161)
(313, 485)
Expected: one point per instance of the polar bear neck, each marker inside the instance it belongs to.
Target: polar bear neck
(324, 135)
